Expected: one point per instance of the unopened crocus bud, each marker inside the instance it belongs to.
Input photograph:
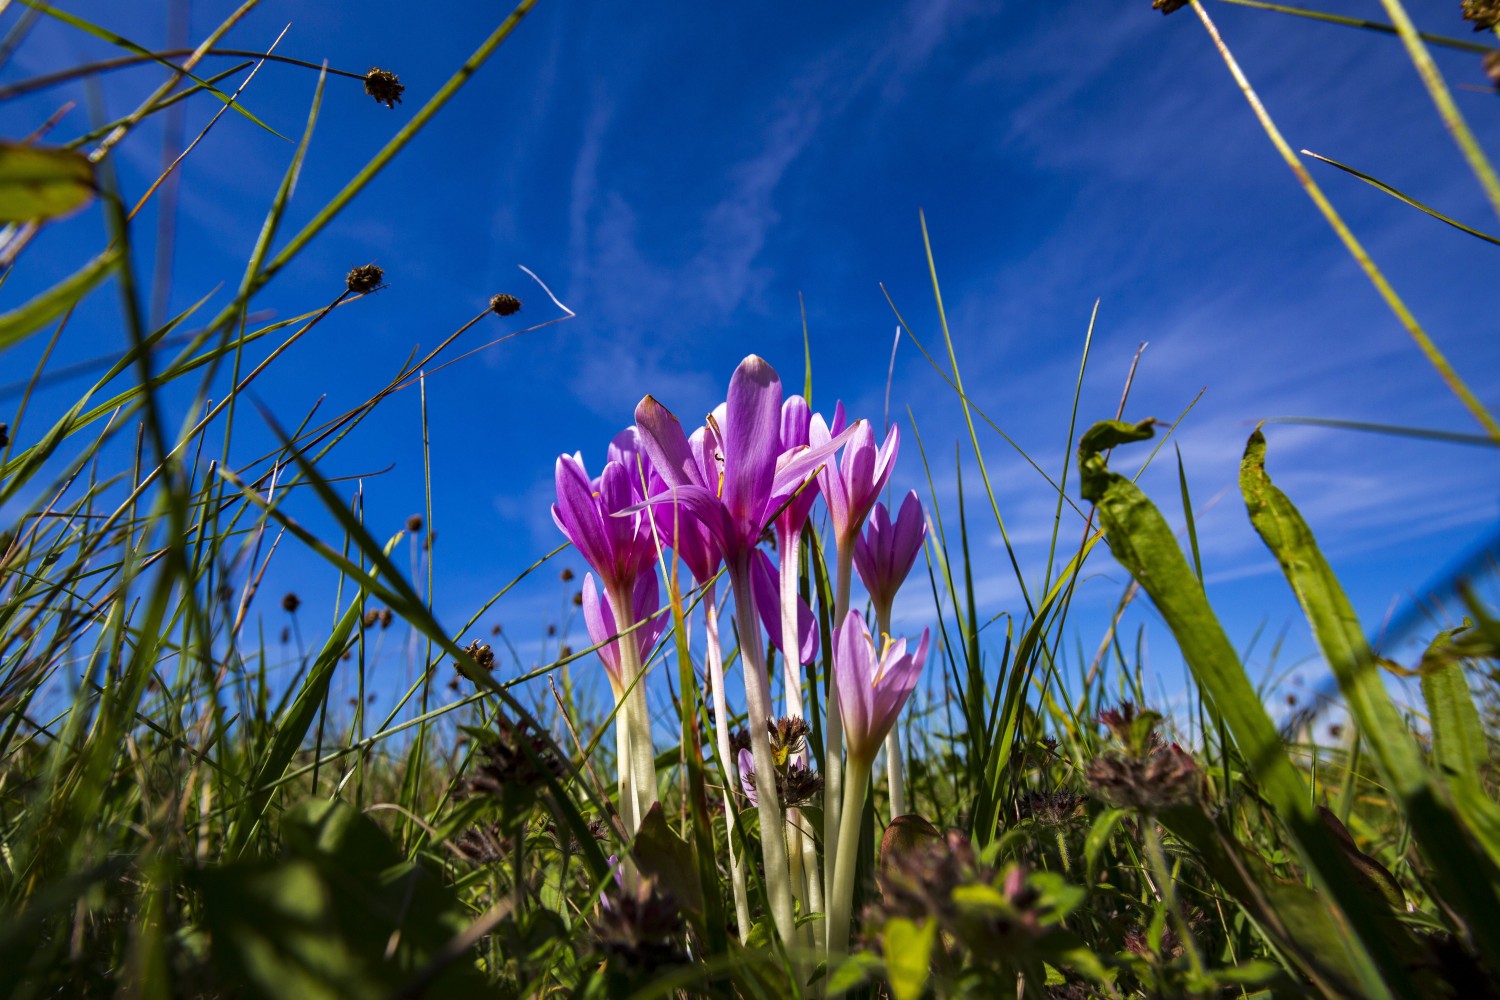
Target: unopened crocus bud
(886, 551)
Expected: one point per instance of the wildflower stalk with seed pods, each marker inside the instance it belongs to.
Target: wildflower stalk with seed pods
(874, 686)
(755, 479)
(883, 557)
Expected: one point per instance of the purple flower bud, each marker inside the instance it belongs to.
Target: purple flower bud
(885, 552)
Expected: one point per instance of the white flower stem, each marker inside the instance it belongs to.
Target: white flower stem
(791, 650)
(758, 702)
(726, 761)
(636, 711)
(841, 901)
(622, 764)
(895, 764)
(833, 729)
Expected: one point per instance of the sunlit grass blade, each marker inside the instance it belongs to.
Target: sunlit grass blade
(1380, 185)
(1393, 301)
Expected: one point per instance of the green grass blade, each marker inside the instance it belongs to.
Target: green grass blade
(1380, 185)
(1437, 89)
(1358, 22)
(105, 34)
(1393, 301)
(23, 321)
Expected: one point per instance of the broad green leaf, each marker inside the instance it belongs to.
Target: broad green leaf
(1469, 879)
(341, 917)
(1458, 744)
(908, 956)
(39, 183)
(23, 321)
(1098, 839)
(665, 856)
(1145, 544)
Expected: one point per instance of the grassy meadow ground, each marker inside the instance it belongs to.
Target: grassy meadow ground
(193, 803)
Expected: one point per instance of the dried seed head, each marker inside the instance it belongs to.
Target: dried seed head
(371, 617)
(505, 305)
(1134, 728)
(384, 87)
(414, 523)
(363, 279)
(1167, 777)
(481, 654)
(1491, 66)
(1049, 808)
(1168, 6)
(484, 844)
(386, 617)
(796, 784)
(286, 636)
(551, 631)
(290, 603)
(564, 651)
(640, 929)
(495, 629)
(565, 575)
(788, 736)
(578, 599)
(513, 766)
(739, 740)
(1483, 14)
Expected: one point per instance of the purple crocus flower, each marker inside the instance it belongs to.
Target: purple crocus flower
(852, 487)
(873, 685)
(886, 551)
(600, 621)
(617, 545)
(696, 545)
(796, 422)
(755, 477)
(768, 603)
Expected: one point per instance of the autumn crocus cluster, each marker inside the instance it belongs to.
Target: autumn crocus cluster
(703, 501)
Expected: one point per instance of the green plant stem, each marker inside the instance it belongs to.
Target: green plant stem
(1356, 250)
(1158, 861)
(758, 701)
(1432, 79)
(841, 899)
(833, 728)
(726, 760)
(895, 766)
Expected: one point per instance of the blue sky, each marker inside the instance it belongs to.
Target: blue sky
(678, 175)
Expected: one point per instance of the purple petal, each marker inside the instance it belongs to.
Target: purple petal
(747, 776)
(854, 666)
(663, 441)
(577, 515)
(893, 686)
(766, 578)
(795, 419)
(752, 443)
(600, 622)
(910, 531)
